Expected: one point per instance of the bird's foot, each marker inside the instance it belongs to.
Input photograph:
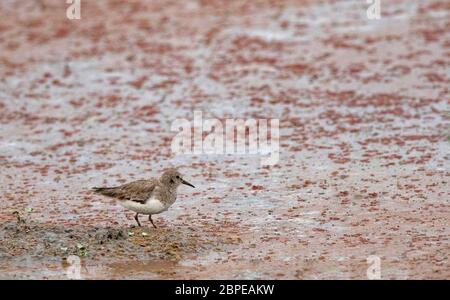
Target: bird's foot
(150, 219)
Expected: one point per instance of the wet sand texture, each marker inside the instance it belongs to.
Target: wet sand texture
(364, 138)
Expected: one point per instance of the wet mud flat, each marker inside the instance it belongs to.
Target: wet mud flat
(363, 107)
(48, 251)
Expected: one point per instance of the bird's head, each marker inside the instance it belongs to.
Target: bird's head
(173, 178)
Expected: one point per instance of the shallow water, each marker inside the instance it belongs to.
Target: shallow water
(364, 138)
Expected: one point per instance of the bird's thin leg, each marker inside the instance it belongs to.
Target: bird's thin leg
(136, 217)
(150, 219)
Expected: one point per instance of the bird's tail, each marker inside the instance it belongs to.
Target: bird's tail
(107, 191)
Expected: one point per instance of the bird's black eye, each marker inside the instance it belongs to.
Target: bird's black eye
(178, 177)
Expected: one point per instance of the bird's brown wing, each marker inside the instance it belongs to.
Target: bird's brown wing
(139, 190)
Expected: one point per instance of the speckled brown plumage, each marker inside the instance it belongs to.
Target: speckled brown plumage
(150, 196)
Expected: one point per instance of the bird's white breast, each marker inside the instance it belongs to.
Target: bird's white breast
(150, 207)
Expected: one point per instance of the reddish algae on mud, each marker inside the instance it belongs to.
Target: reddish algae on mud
(364, 138)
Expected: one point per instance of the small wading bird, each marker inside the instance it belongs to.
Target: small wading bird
(148, 197)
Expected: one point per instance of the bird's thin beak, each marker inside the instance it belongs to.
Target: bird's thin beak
(186, 183)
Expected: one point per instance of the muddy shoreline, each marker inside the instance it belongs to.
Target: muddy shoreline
(29, 244)
(364, 148)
